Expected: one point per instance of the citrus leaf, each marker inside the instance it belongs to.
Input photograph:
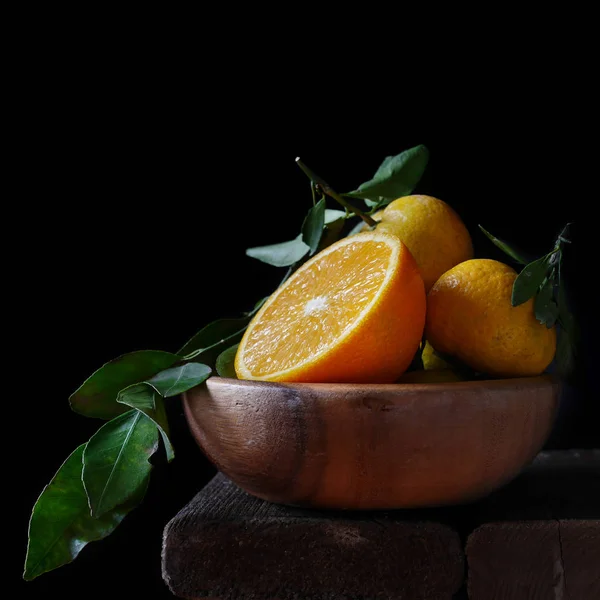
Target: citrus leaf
(176, 380)
(505, 247)
(375, 205)
(332, 215)
(546, 310)
(210, 341)
(331, 233)
(116, 460)
(397, 176)
(280, 255)
(529, 280)
(225, 362)
(312, 228)
(61, 524)
(143, 397)
(97, 396)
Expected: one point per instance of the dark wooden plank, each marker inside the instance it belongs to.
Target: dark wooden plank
(542, 535)
(518, 560)
(535, 560)
(229, 545)
(580, 543)
(557, 485)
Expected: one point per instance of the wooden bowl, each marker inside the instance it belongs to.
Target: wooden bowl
(364, 446)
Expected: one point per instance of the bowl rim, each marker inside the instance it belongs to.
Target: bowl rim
(544, 380)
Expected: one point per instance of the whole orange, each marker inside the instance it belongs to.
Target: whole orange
(470, 316)
(433, 232)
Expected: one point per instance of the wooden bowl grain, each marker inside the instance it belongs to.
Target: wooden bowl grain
(363, 446)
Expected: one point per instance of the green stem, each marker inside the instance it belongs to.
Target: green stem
(223, 341)
(330, 192)
(562, 238)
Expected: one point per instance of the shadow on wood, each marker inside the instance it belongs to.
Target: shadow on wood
(542, 538)
(230, 545)
(538, 535)
(535, 560)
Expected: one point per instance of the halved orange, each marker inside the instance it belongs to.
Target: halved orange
(355, 312)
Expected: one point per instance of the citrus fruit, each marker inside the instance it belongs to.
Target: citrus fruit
(354, 312)
(470, 316)
(431, 361)
(433, 232)
(435, 369)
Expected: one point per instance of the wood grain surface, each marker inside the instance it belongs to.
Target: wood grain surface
(535, 560)
(515, 527)
(230, 545)
(543, 541)
(371, 446)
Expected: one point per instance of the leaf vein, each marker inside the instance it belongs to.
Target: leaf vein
(179, 376)
(129, 434)
(56, 540)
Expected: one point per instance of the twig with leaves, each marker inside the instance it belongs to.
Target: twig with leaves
(543, 279)
(105, 478)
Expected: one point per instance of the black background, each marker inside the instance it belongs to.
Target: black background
(143, 193)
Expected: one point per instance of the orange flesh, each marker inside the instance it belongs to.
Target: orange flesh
(314, 311)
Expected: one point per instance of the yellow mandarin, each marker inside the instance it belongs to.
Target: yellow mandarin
(470, 316)
(433, 232)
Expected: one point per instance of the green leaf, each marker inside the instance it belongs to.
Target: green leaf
(280, 255)
(225, 362)
(529, 280)
(312, 228)
(331, 233)
(172, 382)
(505, 247)
(116, 460)
(210, 341)
(143, 397)
(397, 176)
(375, 205)
(332, 215)
(61, 524)
(546, 310)
(98, 394)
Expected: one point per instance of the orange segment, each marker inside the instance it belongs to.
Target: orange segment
(354, 312)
